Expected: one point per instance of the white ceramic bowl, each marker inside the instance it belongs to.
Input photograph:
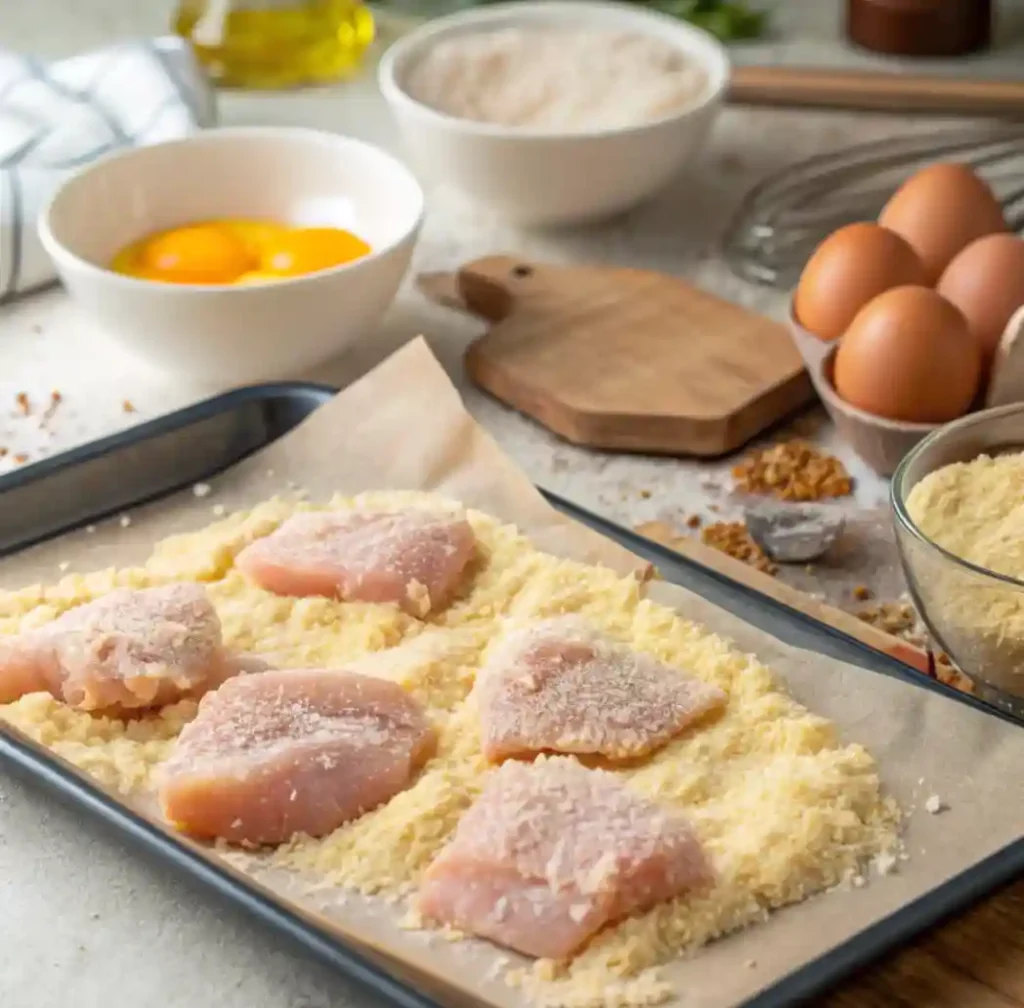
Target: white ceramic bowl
(543, 179)
(246, 333)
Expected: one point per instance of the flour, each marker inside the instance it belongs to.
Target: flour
(975, 511)
(556, 80)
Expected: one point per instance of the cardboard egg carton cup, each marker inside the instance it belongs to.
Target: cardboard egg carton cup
(880, 442)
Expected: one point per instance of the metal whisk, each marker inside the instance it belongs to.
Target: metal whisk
(782, 220)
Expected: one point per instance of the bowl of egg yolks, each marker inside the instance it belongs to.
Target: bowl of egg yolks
(237, 254)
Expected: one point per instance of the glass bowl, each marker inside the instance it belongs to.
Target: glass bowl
(975, 615)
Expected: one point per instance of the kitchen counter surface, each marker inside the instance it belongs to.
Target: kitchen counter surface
(83, 920)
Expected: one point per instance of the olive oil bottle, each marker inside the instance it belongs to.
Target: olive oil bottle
(276, 43)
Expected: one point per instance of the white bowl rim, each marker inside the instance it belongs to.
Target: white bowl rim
(214, 135)
(718, 69)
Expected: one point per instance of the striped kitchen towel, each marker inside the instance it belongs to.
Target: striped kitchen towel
(57, 117)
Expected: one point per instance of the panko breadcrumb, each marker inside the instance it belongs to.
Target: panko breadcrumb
(783, 807)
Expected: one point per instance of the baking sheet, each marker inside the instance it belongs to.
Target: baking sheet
(403, 427)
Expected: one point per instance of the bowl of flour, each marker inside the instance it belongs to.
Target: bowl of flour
(555, 113)
(958, 499)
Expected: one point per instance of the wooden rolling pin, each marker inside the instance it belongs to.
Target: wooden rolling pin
(876, 91)
(765, 584)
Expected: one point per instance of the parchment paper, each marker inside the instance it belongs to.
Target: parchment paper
(403, 427)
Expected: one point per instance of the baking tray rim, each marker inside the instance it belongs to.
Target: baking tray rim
(815, 977)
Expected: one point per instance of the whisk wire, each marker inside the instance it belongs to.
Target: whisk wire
(783, 218)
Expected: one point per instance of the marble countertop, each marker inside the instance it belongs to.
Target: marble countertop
(84, 921)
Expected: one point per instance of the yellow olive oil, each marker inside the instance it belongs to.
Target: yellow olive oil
(276, 43)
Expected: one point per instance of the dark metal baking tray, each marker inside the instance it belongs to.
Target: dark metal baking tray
(162, 456)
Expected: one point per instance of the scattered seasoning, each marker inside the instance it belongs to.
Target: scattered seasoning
(126, 520)
(128, 406)
(793, 470)
(893, 617)
(862, 593)
(24, 405)
(645, 494)
(733, 539)
(900, 620)
(201, 490)
(21, 458)
(694, 521)
(55, 400)
(3, 453)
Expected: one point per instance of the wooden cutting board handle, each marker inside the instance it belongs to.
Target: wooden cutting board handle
(880, 92)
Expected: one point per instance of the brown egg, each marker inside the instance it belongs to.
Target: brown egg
(940, 210)
(908, 355)
(849, 268)
(986, 282)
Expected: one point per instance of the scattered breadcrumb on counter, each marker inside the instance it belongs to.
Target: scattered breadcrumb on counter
(794, 471)
(734, 539)
(783, 806)
(934, 805)
(201, 490)
(731, 538)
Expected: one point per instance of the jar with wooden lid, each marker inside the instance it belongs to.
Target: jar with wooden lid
(920, 27)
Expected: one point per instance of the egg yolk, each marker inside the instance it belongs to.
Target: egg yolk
(237, 252)
(202, 253)
(255, 235)
(306, 250)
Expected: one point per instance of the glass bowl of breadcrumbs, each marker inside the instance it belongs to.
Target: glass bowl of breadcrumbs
(958, 501)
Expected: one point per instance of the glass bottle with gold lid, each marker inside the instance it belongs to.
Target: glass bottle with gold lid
(276, 43)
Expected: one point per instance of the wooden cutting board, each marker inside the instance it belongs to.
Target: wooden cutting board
(623, 359)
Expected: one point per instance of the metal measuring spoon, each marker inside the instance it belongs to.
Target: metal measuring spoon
(793, 533)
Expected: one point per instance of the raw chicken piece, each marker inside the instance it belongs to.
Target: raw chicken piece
(127, 650)
(552, 852)
(293, 751)
(560, 686)
(412, 557)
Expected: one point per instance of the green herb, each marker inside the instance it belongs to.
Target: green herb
(727, 20)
